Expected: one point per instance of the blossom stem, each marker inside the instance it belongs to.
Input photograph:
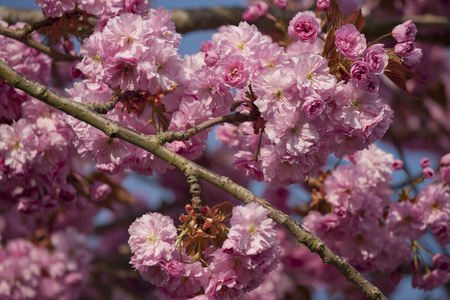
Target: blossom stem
(381, 37)
(259, 145)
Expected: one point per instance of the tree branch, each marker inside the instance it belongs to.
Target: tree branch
(170, 136)
(153, 145)
(21, 36)
(431, 28)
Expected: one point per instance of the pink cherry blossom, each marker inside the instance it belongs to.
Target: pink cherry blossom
(55, 9)
(251, 230)
(350, 41)
(152, 240)
(323, 4)
(397, 165)
(360, 71)
(405, 32)
(404, 49)
(413, 59)
(428, 173)
(405, 219)
(376, 57)
(281, 4)
(304, 27)
(254, 12)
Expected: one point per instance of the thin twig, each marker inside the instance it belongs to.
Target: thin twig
(153, 145)
(170, 136)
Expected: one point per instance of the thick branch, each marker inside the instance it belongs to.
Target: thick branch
(431, 28)
(153, 145)
(19, 36)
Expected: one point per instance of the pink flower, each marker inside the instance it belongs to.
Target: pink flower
(405, 220)
(55, 9)
(397, 165)
(431, 280)
(152, 240)
(428, 173)
(323, 4)
(254, 12)
(251, 230)
(239, 40)
(245, 161)
(424, 162)
(18, 145)
(404, 49)
(413, 59)
(211, 58)
(99, 191)
(360, 71)
(371, 85)
(445, 160)
(405, 32)
(350, 41)
(122, 72)
(313, 106)
(440, 228)
(441, 262)
(434, 201)
(376, 57)
(281, 4)
(325, 226)
(444, 172)
(229, 135)
(304, 27)
(275, 89)
(234, 71)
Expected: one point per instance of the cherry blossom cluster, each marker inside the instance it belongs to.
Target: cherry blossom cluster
(250, 252)
(134, 53)
(29, 271)
(359, 229)
(36, 150)
(306, 114)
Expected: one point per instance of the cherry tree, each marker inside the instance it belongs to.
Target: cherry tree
(285, 87)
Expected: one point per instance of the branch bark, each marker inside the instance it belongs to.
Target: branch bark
(153, 144)
(431, 28)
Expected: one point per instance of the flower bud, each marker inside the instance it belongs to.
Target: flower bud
(405, 32)
(425, 162)
(323, 5)
(428, 173)
(254, 12)
(211, 58)
(397, 165)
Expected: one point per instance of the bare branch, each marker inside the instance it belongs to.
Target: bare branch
(153, 145)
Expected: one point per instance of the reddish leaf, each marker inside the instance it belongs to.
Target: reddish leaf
(356, 18)
(335, 14)
(393, 71)
(225, 208)
(329, 46)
